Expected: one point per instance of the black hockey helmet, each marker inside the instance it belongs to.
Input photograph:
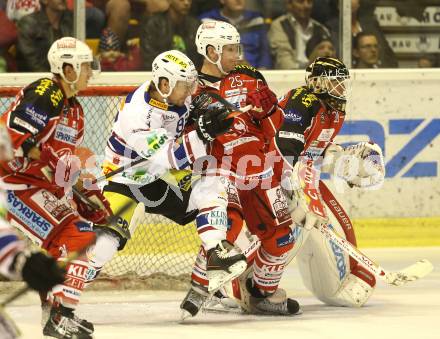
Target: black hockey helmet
(329, 79)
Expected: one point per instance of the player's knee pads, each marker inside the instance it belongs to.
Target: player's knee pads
(106, 246)
(123, 226)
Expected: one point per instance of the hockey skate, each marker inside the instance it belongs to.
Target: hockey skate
(219, 302)
(46, 307)
(193, 301)
(63, 324)
(224, 263)
(253, 301)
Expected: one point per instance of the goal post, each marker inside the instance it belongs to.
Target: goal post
(159, 249)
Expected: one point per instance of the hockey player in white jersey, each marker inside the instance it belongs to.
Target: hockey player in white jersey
(151, 124)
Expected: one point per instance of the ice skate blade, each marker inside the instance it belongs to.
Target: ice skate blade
(185, 315)
(219, 278)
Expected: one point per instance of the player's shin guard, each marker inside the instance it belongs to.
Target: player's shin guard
(268, 270)
(224, 260)
(105, 248)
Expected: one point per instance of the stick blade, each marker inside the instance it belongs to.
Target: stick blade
(414, 272)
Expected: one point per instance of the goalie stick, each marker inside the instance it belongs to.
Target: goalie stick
(413, 272)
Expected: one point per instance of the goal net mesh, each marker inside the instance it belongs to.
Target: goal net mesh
(160, 253)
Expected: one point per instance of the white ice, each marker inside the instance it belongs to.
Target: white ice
(411, 311)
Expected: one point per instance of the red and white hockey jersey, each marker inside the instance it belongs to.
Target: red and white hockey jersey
(40, 114)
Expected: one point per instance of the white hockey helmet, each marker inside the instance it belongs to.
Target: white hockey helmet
(174, 66)
(216, 34)
(70, 51)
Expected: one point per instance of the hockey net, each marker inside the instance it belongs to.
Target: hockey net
(161, 253)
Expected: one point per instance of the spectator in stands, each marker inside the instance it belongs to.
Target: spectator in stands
(361, 22)
(112, 59)
(173, 29)
(270, 9)
(289, 34)
(427, 61)
(325, 10)
(251, 27)
(365, 51)
(201, 6)
(320, 45)
(117, 13)
(8, 37)
(37, 32)
(16, 9)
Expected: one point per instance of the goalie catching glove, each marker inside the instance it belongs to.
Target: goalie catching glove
(360, 165)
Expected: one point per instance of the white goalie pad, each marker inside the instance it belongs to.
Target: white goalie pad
(325, 270)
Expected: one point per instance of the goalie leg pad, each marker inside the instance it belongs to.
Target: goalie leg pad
(354, 292)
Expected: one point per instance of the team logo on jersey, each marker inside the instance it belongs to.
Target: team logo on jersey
(27, 126)
(66, 134)
(35, 116)
(158, 104)
(286, 239)
(279, 204)
(238, 128)
(292, 116)
(57, 209)
(326, 134)
(168, 117)
(28, 217)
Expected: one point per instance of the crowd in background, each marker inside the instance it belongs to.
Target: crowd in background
(128, 34)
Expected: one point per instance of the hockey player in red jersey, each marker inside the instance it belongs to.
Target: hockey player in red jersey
(46, 124)
(39, 271)
(313, 116)
(239, 157)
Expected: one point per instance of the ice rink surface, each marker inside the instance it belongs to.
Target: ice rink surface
(411, 311)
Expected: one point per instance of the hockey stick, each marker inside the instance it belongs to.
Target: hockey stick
(411, 273)
(234, 110)
(73, 256)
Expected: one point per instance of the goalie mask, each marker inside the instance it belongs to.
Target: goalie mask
(329, 79)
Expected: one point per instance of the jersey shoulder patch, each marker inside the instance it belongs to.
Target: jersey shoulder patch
(41, 101)
(299, 106)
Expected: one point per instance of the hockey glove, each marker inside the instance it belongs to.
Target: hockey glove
(213, 122)
(264, 102)
(39, 271)
(199, 105)
(98, 215)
